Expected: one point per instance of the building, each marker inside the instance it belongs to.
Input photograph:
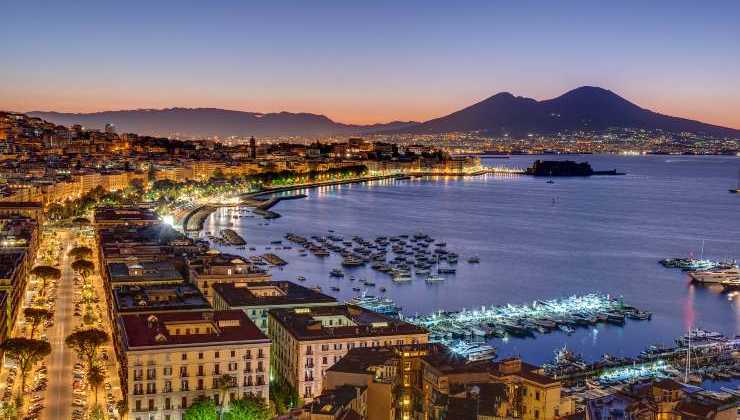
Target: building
(158, 298)
(106, 217)
(169, 360)
(142, 273)
(342, 403)
(257, 298)
(392, 376)
(205, 270)
(663, 399)
(529, 394)
(18, 247)
(33, 210)
(308, 341)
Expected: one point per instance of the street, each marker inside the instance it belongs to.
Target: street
(61, 361)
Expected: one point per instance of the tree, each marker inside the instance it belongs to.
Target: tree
(80, 253)
(36, 316)
(248, 408)
(26, 351)
(95, 378)
(8, 411)
(284, 396)
(225, 382)
(86, 342)
(46, 273)
(203, 409)
(122, 407)
(84, 267)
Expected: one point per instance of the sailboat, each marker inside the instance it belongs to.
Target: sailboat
(736, 190)
(550, 181)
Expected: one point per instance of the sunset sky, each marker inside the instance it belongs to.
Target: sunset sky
(367, 63)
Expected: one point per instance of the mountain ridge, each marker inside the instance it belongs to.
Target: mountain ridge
(583, 108)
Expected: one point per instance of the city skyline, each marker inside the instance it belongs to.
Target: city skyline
(367, 64)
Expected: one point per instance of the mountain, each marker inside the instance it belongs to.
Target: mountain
(205, 122)
(584, 108)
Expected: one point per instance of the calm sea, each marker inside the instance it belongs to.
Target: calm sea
(539, 241)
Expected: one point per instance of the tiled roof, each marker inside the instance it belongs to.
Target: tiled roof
(153, 330)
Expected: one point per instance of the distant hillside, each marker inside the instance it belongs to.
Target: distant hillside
(589, 108)
(204, 122)
(584, 108)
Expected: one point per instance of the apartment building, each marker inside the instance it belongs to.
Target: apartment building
(257, 298)
(205, 270)
(170, 360)
(308, 341)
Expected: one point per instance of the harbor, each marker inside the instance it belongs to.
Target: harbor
(460, 330)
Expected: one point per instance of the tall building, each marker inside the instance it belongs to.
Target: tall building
(252, 148)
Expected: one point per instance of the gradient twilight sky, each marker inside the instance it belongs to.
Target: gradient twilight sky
(363, 62)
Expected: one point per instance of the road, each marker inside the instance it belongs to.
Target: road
(62, 359)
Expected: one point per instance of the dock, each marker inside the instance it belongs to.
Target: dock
(232, 238)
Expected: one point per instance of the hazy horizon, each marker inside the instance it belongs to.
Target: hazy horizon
(364, 64)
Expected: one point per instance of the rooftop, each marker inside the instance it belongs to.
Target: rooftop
(334, 401)
(143, 271)
(342, 321)
(166, 297)
(9, 260)
(268, 293)
(125, 214)
(173, 329)
(363, 359)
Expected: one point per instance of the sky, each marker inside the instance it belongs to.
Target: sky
(366, 62)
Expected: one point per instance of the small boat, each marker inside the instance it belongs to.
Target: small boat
(300, 278)
(356, 289)
(334, 288)
(336, 273)
(434, 279)
(382, 289)
(473, 260)
(566, 329)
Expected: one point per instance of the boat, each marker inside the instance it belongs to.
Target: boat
(356, 289)
(352, 262)
(401, 277)
(382, 289)
(335, 288)
(336, 273)
(473, 260)
(300, 278)
(446, 271)
(434, 279)
(384, 306)
(566, 329)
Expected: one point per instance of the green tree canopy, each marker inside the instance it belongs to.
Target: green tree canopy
(248, 409)
(86, 342)
(203, 409)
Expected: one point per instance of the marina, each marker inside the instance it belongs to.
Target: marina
(468, 326)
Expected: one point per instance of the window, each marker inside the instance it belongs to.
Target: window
(324, 360)
(233, 353)
(200, 385)
(536, 414)
(183, 371)
(537, 395)
(184, 402)
(184, 385)
(216, 369)
(167, 404)
(200, 370)
(200, 355)
(138, 405)
(167, 386)
(151, 405)
(216, 355)
(167, 370)
(184, 356)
